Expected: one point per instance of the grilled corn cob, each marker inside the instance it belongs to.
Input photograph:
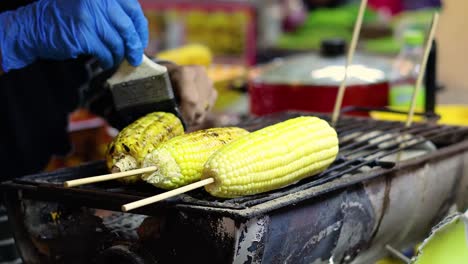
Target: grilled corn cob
(131, 145)
(272, 157)
(180, 160)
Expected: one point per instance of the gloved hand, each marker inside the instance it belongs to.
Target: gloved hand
(63, 29)
(192, 87)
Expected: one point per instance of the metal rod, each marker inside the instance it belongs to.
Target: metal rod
(422, 69)
(431, 80)
(380, 131)
(384, 140)
(328, 176)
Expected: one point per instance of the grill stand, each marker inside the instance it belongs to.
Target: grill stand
(347, 214)
(351, 225)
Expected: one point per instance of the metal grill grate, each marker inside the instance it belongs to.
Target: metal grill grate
(350, 160)
(365, 145)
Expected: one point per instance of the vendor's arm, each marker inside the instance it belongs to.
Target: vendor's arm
(110, 30)
(195, 90)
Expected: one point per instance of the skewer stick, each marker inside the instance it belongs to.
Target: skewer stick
(166, 195)
(352, 49)
(108, 177)
(419, 80)
(422, 70)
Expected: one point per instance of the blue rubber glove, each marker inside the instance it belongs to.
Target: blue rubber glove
(61, 29)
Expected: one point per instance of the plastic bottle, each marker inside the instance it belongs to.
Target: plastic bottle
(405, 72)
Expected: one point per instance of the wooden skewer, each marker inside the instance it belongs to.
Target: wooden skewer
(422, 70)
(351, 50)
(419, 80)
(108, 177)
(166, 195)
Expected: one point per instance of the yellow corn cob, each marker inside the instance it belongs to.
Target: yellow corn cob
(272, 157)
(180, 160)
(131, 145)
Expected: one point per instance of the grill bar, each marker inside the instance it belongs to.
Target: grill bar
(350, 165)
(385, 131)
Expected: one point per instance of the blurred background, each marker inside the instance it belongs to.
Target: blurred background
(278, 55)
(268, 56)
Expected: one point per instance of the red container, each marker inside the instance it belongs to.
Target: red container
(271, 98)
(309, 82)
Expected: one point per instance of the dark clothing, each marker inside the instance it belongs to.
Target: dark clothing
(12, 5)
(34, 113)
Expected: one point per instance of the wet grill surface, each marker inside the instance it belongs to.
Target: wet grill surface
(382, 139)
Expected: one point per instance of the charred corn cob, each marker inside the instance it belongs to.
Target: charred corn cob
(272, 157)
(130, 146)
(180, 160)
